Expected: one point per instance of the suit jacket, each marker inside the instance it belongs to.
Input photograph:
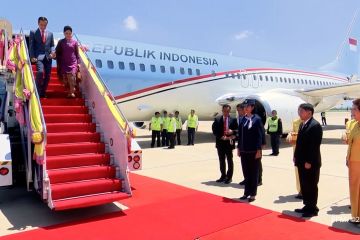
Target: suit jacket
(218, 130)
(38, 49)
(251, 139)
(308, 144)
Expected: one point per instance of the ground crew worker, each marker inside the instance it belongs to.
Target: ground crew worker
(192, 126)
(171, 130)
(165, 121)
(323, 118)
(178, 127)
(155, 126)
(274, 130)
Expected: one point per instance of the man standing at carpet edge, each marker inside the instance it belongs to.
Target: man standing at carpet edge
(41, 51)
(307, 158)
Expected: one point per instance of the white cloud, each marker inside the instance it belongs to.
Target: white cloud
(130, 23)
(242, 35)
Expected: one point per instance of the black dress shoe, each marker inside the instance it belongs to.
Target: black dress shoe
(227, 181)
(251, 199)
(354, 221)
(242, 182)
(220, 180)
(309, 214)
(300, 210)
(243, 197)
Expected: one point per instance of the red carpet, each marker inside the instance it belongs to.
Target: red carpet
(161, 210)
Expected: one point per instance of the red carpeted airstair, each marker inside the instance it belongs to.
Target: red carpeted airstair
(79, 168)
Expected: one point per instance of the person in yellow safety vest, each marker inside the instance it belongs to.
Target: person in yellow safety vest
(192, 126)
(291, 138)
(178, 127)
(171, 130)
(275, 131)
(164, 137)
(155, 126)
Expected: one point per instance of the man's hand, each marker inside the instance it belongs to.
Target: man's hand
(258, 154)
(307, 165)
(52, 55)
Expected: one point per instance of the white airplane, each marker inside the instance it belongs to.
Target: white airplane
(147, 78)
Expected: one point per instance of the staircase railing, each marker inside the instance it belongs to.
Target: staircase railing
(117, 136)
(36, 126)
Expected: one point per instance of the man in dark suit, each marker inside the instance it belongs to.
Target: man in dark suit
(222, 128)
(41, 50)
(307, 158)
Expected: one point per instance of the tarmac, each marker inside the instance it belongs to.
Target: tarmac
(197, 167)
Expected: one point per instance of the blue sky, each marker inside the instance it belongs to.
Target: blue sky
(303, 33)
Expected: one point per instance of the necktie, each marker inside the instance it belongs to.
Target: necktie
(225, 125)
(43, 37)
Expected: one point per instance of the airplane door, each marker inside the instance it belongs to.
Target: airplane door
(255, 81)
(244, 80)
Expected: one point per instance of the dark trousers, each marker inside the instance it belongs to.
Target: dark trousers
(309, 179)
(191, 136)
(43, 70)
(171, 138)
(226, 153)
(164, 138)
(178, 133)
(323, 120)
(242, 160)
(275, 142)
(155, 135)
(251, 172)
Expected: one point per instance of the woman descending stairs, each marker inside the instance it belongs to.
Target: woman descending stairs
(79, 169)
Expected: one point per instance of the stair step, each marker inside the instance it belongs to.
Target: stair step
(74, 148)
(75, 189)
(70, 127)
(88, 201)
(62, 102)
(64, 109)
(56, 86)
(68, 118)
(67, 161)
(62, 94)
(71, 137)
(80, 173)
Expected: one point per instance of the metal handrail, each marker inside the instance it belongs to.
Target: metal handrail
(106, 88)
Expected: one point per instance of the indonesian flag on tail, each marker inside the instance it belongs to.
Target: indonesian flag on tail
(353, 44)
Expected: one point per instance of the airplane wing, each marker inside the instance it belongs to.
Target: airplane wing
(351, 90)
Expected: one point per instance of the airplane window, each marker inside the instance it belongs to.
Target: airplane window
(317, 83)
(238, 75)
(276, 79)
(172, 70)
(260, 76)
(254, 76)
(267, 78)
(298, 81)
(314, 82)
(244, 76)
(162, 69)
(281, 80)
(189, 71)
(310, 82)
(132, 66)
(293, 80)
(198, 72)
(98, 63)
(182, 70)
(285, 80)
(121, 65)
(305, 81)
(233, 75)
(271, 78)
(152, 68)
(302, 81)
(142, 67)
(110, 64)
